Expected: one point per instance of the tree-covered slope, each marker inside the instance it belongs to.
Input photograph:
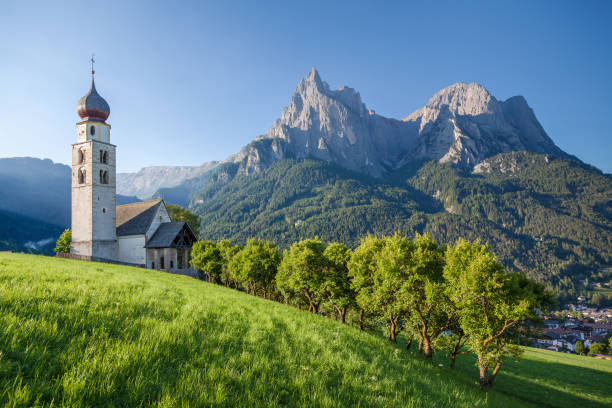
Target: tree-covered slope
(548, 217)
(23, 234)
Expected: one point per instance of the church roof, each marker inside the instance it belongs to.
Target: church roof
(136, 218)
(171, 235)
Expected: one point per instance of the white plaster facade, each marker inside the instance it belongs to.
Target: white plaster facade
(132, 249)
(94, 192)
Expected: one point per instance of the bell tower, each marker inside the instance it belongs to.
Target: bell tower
(93, 180)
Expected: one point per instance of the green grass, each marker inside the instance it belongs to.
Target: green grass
(86, 334)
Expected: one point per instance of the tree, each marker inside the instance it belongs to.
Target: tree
(178, 213)
(492, 305)
(256, 265)
(597, 348)
(378, 268)
(302, 272)
(228, 251)
(423, 292)
(337, 284)
(610, 344)
(579, 348)
(206, 257)
(361, 268)
(453, 343)
(63, 242)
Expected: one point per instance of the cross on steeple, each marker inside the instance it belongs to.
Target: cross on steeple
(92, 64)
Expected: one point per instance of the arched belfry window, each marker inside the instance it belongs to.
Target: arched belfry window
(92, 130)
(81, 156)
(103, 177)
(105, 157)
(82, 176)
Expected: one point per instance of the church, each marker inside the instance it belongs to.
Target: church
(140, 234)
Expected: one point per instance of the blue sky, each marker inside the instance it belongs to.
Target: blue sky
(190, 82)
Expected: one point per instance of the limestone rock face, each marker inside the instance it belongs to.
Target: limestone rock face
(148, 180)
(332, 125)
(462, 124)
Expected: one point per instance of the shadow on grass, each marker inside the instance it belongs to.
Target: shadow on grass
(544, 383)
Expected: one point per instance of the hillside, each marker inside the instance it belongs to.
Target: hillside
(35, 203)
(85, 334)
(23, 234)
(547, 217)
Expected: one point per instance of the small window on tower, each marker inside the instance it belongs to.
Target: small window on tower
(82, 176)
(92, 130)
(81, 156)
(104, 210)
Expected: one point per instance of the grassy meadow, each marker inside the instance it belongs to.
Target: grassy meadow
(86, 334)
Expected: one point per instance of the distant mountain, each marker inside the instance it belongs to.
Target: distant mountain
(548, 217)
(462, 124)
(465, 165)
(149, 180)
(23, 234)
(35, 188)
(35, 195)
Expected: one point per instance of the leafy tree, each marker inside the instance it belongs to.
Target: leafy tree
(178, 213)
(579, 348)
(597, 348)
(610, 344)
(63, 242)
(453, 344)
(361, 269)
(378, 269)
(206, 258)
(491, 304)
(423, 291)
(228, 251)
(337, 284)
(302, 272)
(255, 266)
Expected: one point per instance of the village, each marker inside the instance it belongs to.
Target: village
(577, 329)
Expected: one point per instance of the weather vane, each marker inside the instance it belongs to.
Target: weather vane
(92, 64)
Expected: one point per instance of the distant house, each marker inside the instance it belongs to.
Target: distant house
(551, 324)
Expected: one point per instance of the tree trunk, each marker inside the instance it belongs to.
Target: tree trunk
(455, 352)
(484, 381)
(426, 341)
(420, 345)
(361, 313)
(311, 307)
(408, 344)
(494, 373)
(342, 315)
(392, 326)
(427, 347)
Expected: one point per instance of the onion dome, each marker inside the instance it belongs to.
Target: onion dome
(92, 106)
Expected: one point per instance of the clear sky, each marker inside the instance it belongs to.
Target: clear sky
(189, 82)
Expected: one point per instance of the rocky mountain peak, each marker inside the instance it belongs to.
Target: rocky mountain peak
(462, 124)
(464, 99)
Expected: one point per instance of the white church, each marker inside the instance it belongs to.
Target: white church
(139, 234)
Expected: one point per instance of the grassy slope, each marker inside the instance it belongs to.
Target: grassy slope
(85, 334)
